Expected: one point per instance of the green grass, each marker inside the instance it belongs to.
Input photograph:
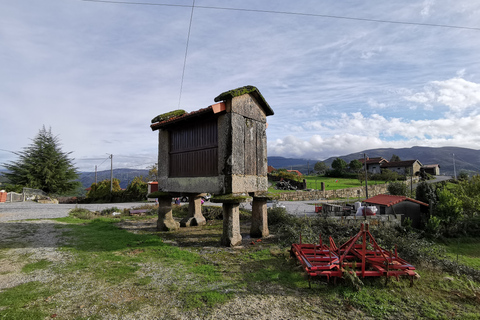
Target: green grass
(39, 265)
(465, 250)
(21, 301)
(115, 253)
(314, 182)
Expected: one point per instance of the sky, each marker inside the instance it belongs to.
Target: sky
(341, 76)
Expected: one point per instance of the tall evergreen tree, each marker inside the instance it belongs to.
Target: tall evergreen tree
(43, 165)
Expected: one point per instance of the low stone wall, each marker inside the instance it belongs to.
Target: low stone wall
(387, 220)
(357, 192)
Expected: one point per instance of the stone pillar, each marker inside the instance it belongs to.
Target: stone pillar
(195, 216)
(165, 220)
(231, 224)
(259, 226)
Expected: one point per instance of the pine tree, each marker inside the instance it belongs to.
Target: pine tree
(43, 165)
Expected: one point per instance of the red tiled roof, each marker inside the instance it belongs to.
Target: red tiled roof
(295, 171)
(389, 200)
(270, 169)
(184, 116)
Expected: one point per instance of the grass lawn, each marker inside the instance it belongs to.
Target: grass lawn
(314, 182)
(465, 250)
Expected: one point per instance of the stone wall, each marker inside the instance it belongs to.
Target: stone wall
(378, 220)
(352, 193)
(357, 192)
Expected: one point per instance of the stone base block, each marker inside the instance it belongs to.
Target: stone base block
(167, 225)
(193, 221)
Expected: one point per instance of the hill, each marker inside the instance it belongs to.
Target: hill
(465, 159)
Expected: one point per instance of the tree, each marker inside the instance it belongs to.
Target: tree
(449, 207)
(355, 165)
(339, 165)
(397, 188)
(320, 167)
(153, 172)
(43, 165)
(101, 190)
(468, 192)
(426, 193)
(137, 189)
(395, 158)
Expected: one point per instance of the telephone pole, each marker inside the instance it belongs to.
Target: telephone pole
(111, 173)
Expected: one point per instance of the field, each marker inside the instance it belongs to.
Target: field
(122, 268)
(314, 182)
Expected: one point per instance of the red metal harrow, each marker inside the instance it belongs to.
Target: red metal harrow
(361, 254)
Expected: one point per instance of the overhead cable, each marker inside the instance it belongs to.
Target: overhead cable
(289, 13)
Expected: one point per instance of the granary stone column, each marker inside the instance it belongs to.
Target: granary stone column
(195, 216)
(259, 226)
(231, 225)
(165, 220)
(231, 218)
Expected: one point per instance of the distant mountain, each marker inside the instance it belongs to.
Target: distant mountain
(302, 165)
(124, 175)
(465, 159)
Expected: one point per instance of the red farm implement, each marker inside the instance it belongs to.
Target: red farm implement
(361, 254)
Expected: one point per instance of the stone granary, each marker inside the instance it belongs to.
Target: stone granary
(221, 149)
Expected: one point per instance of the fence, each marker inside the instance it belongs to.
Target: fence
(14, 197)
(27, 194)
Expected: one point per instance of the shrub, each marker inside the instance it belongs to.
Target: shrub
(397, 188)
(81, 213)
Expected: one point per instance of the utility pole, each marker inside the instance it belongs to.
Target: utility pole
(454, 170)
(366, 174)
(111, 173)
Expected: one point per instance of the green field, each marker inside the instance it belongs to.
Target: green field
(464, 250)
(315, 182)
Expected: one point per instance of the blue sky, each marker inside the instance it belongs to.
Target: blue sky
(98, 72)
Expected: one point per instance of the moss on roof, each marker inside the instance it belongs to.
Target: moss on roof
(235, 93)
(245, 90)
(168, 115)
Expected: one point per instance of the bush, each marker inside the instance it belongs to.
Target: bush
(397, 188)
(81, 213)
(277, 216)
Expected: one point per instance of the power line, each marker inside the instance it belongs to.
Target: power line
(186, 52)
(289, 13)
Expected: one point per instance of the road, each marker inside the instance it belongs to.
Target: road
(33, 210)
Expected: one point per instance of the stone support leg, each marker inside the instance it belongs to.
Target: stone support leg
(231, 225)
(195, 216)
(165, 220)
(259, 226)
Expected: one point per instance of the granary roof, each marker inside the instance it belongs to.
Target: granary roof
(244, 90)
(390, 200)
(172, 117)
(181, 117)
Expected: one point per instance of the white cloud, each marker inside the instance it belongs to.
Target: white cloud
(458, 94)
(361, 133)
(427, 5)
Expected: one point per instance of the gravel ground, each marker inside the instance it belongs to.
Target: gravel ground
(34, 210)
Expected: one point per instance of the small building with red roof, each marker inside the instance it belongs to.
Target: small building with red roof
(394, 205)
